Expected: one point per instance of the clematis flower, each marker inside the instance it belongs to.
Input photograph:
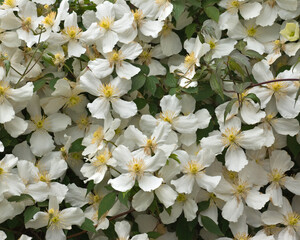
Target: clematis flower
(56, 220)
(136, 167)
(108, 93)
(115, 59)
(232, 137)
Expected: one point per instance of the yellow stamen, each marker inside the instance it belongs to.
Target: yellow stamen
(106, 22)
(49, 19)
(181, 197)
(251, 31)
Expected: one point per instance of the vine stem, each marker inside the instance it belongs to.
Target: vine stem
(109, 219)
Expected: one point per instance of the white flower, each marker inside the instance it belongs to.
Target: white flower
(232, 137)
(56, 220)
(108, 94)
(123, 230)
(136, 167)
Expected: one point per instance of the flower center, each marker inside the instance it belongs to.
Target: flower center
(212, 44)
(136, 166)
(26, 24)
(167, 28)
(276, 176)
(292, 219)
(138, 15)
(49, 19)
(106, 22)
(145, 56)
(167, 116)
(73, 32)
(235, 4)
(83, 122)
(115, 57)
(10, 3)
(190, 60)
(150, 146)
(276, 86)
(98, 135)
(1, 171)
(108, 90)
(192, 167)
(242, 236)
(181, 197)
(73, 100)
(251, 31)
(230, 136)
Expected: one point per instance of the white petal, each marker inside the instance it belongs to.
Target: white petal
(142, 200)
(41, 142)
(285, 126)
(148, 182)
(16, 126)
(57, 122)
(235, 159)
(166, 195)
(123, 108)
(170, 44)
(256, 199)
(233, 209)
(184, 184)
(122, 183)
(100, 67)
(127, 70)
(99, 108)
(131, 51)
(75, 49)
(250, 10)
(7, 112)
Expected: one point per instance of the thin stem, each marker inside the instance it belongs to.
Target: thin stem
(275, 80)
(15, 70)
(70, 71)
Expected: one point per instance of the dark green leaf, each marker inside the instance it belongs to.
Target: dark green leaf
(144, 69)
(138, 81)
(90, 187)
(207, 3)
(293, 146)
(151, 84)
(203, 205)
(140, 103)
(216, 84)
(229, 107)
(212, 12)
(153, 235)
(196, 3)
(234, 66)
(88, 225)
(190, 90)
(190, 30)
(106, 203)
(52, 82)
(22, 197)
(253, 97)
(173, 91)
(182, 229)
(171, 80)
(29, 213)
(38, 84)
(211, 226)
(178, 8)
(7, 66)
(123, 197)
(240, 87)
(153, 109)
(254, 54)
(76, 146)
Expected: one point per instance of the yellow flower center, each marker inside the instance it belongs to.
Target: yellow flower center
(242, 236)
(150, 146)
(269, 117)
(49, 19)
(167, 116)
(138, 15)
(3, 89)
(106, 22)
(251, 31)
(76, 155)
(292, 219)
(145, 57)
(26, 24)
(53, 217)
(108, 90)
(115, 57)
(190, 60)
(212, 44)
(44, 177)
(276, 176)
(230, 136)
(167, 28)
(241, 189)
(276, 86)
(73, 100)
(98, 135)
(1, 170)
(136, 166)
(73, 32)
(10, 3)
(58, 59)
(181, 197)
(235, 4)
(192, 167)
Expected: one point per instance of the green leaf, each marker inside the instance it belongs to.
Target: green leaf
(253, 54)
(153, 109)
(212, 12)
(29, 213)
(90, 187)
(144, 69)
(88, 225)
(203, 205)
(174, 156)
(153, 235)
(22, 197)
(178, 8)
(253, 97)
(48, 59)
(240, 87)
(182, 229)
(106, 203)
(52, 82)
(173, 91)
(7, 66)
(138, 81)
(171, 80)
(207, 3)
(39, 84)
(234, 66)
(211, 226)
(190, 90)
(76, 146)
(196, 3)
(293, 146)
(216, 84)
(229, 107)
(140, 103)
(123, 198)
(151, 84)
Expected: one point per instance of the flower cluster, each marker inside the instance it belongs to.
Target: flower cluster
(149, 119)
